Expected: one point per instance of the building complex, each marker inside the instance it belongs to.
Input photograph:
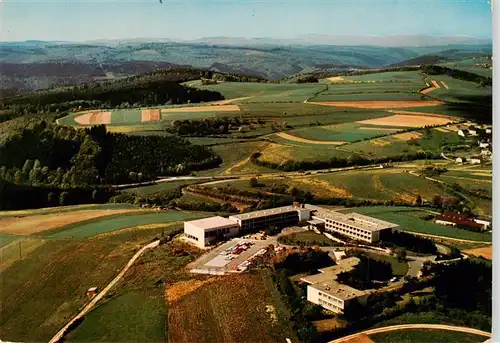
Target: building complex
(203, 232)
(324, 290)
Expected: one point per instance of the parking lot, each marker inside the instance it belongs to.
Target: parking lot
(231, 257)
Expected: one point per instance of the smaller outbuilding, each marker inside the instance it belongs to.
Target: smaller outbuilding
(92, 291)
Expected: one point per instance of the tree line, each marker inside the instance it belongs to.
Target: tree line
(457, 74)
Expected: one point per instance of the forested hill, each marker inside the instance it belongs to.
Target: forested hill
(51, 155)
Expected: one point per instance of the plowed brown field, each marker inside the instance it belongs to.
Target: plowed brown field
(406, 120)
(92, 118)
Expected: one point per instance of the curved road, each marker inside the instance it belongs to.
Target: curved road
(101, 294)
(413, 326)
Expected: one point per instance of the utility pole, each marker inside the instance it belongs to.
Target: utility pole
(20, 255)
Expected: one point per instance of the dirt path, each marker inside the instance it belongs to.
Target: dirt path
(101, 294)
(413, 326)
(230, 101)
(237, 165)
(445, 85)
(423, 114)
(434, 86)
(303, 140)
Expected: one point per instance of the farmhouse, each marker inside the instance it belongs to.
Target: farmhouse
(458, 219)
(460, 160)
(483, 144)
(483, 221)
(324, 290)
(203, 232)
(352, 225)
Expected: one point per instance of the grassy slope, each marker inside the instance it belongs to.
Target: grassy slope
(137, 311)
(211, 315)
(163, 186)
(457, 89)
(46, 287)
(426, 336)
(62, 209)
(94, 227)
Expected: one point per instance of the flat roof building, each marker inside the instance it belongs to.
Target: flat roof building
(203, 232)
(324, 290)
(353, 225)
(280, 216)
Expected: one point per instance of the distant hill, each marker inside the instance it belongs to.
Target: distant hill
(34, 65)
(421, 60)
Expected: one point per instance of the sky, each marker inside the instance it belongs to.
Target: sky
(81, 20)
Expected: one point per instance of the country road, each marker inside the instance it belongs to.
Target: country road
(101, 294)
(413, 326)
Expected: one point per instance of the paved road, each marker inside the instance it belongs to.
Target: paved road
(413, 326)
(101, 294)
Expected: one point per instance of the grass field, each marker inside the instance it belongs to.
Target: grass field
(18, 249)
(398, 268)
(64, 209)
(91, 228)
(52, 280)
(6, 239)
(210, 315)
(265, 92)
(426, 336)
(308, 238)
(458, 89)
(344, 132)
(408, 219)
(468, 64)
(136, 311)
(159, 187)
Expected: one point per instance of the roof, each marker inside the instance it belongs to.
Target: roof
(211, 222)
(459, 219)
(338, 290)
(357, 220)
(330, 273)
(265, 213)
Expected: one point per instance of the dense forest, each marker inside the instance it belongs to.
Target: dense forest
(47, 154)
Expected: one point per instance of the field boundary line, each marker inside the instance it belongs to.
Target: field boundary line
(59, 335)
(463, 329)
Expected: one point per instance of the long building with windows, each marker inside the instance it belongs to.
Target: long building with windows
(323, 289)
(280, 216)
(353, 225)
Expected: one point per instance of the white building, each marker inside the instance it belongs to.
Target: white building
(485, 222)
(461, 133)
(203, 232)
(353, 225)
(473, 132)
(475, 160)
(324, 290)
(484, 144)
(460, 160)
(280, 216)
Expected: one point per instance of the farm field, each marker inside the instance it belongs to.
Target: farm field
(234, 154)
(210, 315)
(345, 132)
(386, 184)
(468, 64)
(63, 209)
(395, 76)
(45, 282)
(408, 219)
(458, 90)
(6, 239)
(93, 227)
(265, 92)
(137, 310)
(38, 223)
(159, 187)
(378, 103)
(17, 249)
(486, 252)
(426, 336)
